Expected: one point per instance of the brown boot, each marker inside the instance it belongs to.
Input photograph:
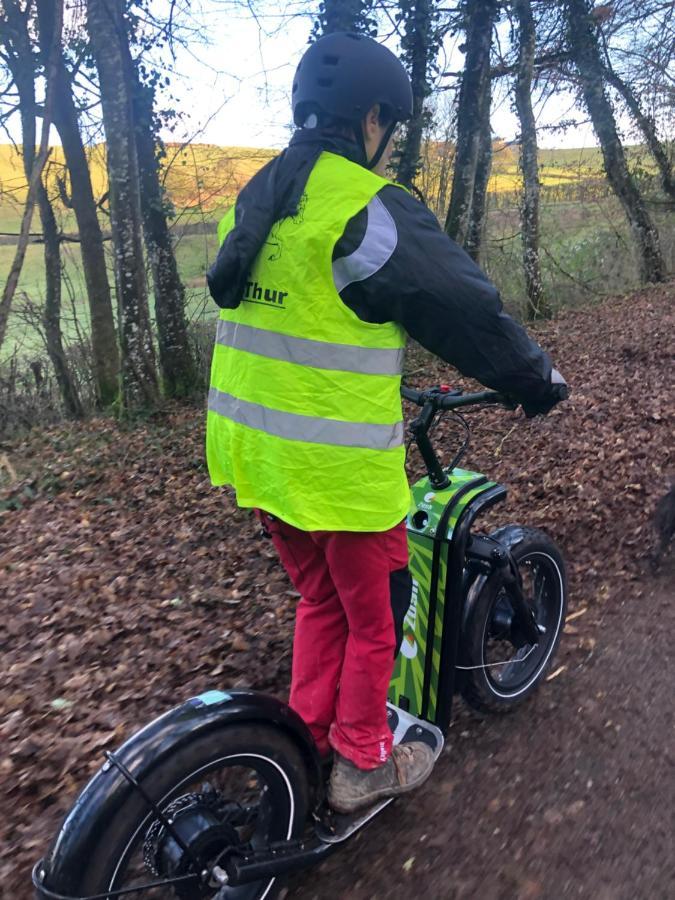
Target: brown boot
(351, 788)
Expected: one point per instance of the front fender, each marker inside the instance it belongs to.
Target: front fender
(146, 751)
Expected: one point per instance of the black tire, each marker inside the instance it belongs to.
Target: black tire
(500, 688)
(267, 752)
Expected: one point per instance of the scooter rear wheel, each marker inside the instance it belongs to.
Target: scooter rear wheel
(499, 668)
(244, 785)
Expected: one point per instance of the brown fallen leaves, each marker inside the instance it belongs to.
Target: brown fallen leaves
(127, 583)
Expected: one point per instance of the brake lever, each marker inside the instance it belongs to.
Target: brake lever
(441, 391)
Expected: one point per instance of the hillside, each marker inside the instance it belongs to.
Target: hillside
(204, 178)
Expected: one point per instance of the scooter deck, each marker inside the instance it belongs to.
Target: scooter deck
(334, 827)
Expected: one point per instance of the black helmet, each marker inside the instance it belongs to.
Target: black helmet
(343, 75)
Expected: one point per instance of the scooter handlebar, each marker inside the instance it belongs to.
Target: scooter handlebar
(444, 398)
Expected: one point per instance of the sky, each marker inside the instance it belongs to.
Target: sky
(232, 86)
(230, 79)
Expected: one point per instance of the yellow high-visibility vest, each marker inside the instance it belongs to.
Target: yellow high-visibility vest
(304, 413)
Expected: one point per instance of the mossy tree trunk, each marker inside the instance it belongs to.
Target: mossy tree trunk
(419, 45)
(105, 352)
(475, 232)
(648, 128)
(585, 49)
(344, 15)
(51, 315)
(178, 370)
(14, 39)
(471, 164)
(21, 63)
(529, 166)
(105, 25)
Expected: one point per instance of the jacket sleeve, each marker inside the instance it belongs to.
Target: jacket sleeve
(445, 302)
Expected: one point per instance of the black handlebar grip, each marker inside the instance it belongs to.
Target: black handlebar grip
(410, 394)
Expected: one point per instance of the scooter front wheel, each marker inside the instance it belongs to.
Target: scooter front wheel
(499, 667)
(243, 786)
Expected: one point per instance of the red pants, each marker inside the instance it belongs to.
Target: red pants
(345, 640)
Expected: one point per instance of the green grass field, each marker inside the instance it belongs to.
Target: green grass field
(194, 253)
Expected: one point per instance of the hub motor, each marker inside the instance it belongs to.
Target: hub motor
(202, 820)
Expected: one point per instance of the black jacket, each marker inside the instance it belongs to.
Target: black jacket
(428, 284)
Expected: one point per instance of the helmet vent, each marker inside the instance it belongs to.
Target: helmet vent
(331, 60)
(325, 82)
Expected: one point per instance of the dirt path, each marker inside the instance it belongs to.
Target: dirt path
(573, 796)
(128, 584)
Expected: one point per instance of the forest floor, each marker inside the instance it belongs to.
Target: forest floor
(128, 584)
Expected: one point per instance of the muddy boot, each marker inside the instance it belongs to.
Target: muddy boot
(351, 788)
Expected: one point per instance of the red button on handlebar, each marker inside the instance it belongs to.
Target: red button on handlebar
(444, 388)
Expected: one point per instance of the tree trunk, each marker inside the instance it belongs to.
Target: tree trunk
(472, 112)
(646, 125)
(52, 309)
(344, 15)
(583, 40)
(21, 63)
(529, 211)
(175, 358)
(446, 154)
(447, 157)
(478, 210)
(105, 352)
(14, 29)
(139, 376)
(418, 45)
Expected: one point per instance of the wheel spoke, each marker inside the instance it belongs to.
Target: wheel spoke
(542, 583)
(503, 672)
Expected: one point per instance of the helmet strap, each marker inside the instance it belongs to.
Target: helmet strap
(371, 163)
(360, 140)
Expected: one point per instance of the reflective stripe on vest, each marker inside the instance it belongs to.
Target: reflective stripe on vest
(377, 246)
(308, 429)
(306, 352)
